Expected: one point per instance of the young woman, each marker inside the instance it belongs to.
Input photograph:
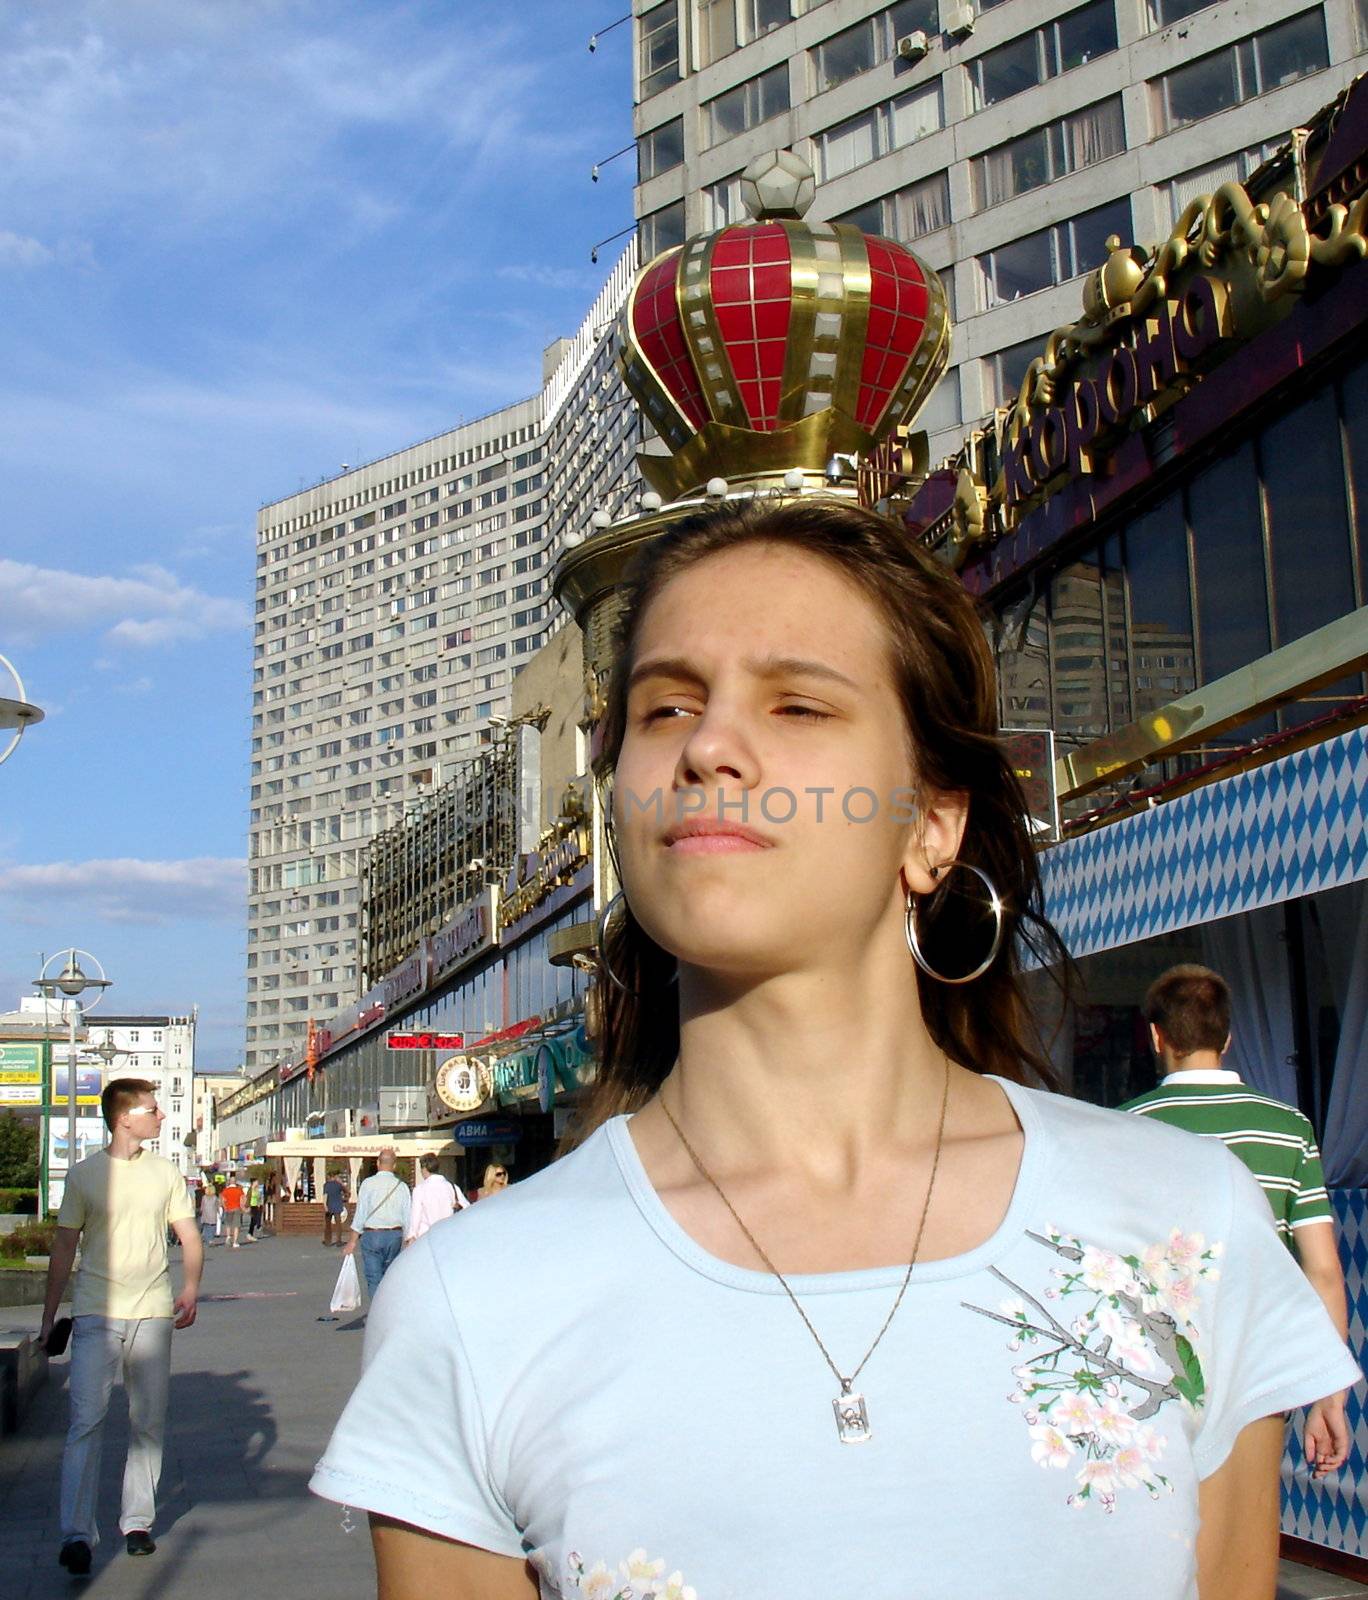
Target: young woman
(495, 1179)
(828, 1303)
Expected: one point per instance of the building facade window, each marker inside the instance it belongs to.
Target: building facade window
(1162, 12)
(1241, 72)
(722, 203)
(747, 105)
(1066, 145)
(662, 230)
(1052, 255)
(1070, 41)
(1205, 180)
(876, 132)
(908, 213)
(870, 43)
(1004, 370)
(660, 150)
(658, 47)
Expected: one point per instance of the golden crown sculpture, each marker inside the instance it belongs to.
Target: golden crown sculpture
(767, 356)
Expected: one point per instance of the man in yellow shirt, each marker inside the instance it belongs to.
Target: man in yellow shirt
(118, 1204)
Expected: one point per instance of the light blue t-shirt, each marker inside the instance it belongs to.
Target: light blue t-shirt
(563, 1374)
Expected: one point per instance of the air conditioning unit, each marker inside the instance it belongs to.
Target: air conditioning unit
(913, 46)
(960, 21)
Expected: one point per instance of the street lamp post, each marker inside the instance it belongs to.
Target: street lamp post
(71, 983)
(16, 712)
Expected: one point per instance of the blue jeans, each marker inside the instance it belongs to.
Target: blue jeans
(379, 1246)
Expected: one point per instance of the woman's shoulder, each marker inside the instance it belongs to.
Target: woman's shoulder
(563, 1212)
(1129, 1156)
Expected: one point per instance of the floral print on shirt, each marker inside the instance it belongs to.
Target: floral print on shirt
(1098, 1370)
(636, 1578)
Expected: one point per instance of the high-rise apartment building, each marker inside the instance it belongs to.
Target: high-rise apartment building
(394, 605)
(1006, 140)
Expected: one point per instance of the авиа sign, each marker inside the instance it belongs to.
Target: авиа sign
(1160, 346)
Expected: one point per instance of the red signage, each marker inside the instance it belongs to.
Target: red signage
(425, 1041)
(515, 1032)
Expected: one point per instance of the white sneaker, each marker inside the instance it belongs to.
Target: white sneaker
(236, 1246)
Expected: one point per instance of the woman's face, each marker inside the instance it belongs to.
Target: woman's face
(763, 792)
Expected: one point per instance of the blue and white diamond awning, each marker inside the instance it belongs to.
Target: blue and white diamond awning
(1283, 830)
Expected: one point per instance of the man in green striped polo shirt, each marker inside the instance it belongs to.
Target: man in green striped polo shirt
(1188, 1011)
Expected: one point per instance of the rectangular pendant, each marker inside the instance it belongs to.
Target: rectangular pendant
(852, 1419)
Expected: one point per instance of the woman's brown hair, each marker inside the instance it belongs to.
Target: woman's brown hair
(943, 674)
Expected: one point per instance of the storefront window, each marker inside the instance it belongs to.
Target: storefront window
(1308, 534)
(1232, 591)
(1308, 530)
(1078, 638)
(1023, 662)
(1163, 661)
(1354, 410)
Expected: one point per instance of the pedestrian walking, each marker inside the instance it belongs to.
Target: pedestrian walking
(272, 1195)
(1188, 1012)
(209, 1209)
(117, 1205)
(234, 1198)
(334, 1209)
(381, 1215)
(256, 1198)
(434, 1199)
(826, 1301)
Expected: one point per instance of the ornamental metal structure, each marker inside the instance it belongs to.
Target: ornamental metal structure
(453, 842)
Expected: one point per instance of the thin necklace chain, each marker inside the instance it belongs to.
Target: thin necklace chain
(759, 1249)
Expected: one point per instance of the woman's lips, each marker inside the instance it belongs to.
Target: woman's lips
(713, 844)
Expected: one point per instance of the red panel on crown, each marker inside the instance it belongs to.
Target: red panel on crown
(655, 325)
(752, 293)
(898, 304)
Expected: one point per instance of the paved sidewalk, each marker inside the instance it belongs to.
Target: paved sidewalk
(256, 1385)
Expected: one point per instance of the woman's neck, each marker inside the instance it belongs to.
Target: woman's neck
(805, 1070)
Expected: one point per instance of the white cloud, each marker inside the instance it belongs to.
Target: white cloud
(544, 277)
(18, 250)
(127, 890)
(149, 607)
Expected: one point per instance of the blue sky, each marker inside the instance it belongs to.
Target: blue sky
(241, 243)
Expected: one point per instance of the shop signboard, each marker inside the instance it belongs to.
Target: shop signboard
(21, 1075)
(403, 1107)
(469, 931)
(485, 1131)
(536, 875)
(89, 1084)
(424, 1041)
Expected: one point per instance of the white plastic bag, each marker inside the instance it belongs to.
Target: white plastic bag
(346, 1295)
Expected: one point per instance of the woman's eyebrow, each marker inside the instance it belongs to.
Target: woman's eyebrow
(768, 667)
(796, 667)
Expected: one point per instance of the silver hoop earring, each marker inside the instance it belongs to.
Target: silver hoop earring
(602, 946)
(603, 952)
(995, 905)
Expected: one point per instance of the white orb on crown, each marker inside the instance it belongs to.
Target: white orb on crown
(778, 184)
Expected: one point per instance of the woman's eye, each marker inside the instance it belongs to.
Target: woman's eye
(659, 713)
(804, 711)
